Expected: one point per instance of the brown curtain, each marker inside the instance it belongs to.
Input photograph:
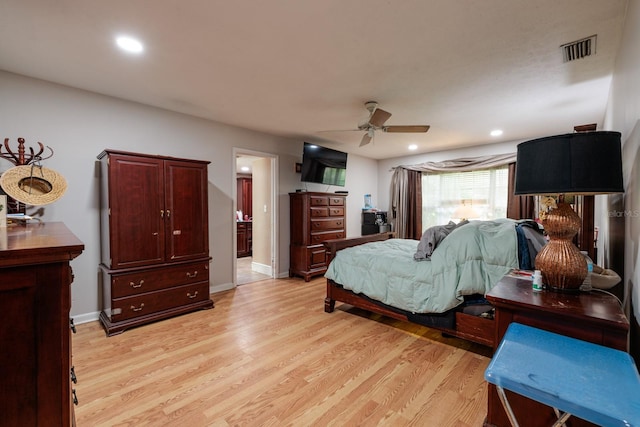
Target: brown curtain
(414, 200)
(406, 203)
(518, 207)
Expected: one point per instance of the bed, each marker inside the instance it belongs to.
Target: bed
(445, 292)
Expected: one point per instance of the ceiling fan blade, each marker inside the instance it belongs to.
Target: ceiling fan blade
(378, 117)
(407, 129)
(339, 130)
(366, 138)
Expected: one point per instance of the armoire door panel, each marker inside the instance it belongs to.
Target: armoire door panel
(137, 213)
(184, 199)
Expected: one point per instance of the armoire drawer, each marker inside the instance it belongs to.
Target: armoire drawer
(152, 302)
(123, 285)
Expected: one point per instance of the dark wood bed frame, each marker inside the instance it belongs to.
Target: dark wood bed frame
(470, 327)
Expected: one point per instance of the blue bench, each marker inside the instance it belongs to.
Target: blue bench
(590, 381)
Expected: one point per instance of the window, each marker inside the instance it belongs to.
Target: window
(483, 192)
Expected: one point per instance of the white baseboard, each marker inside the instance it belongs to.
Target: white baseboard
(79, 319)
(220, 287)
(261, 268)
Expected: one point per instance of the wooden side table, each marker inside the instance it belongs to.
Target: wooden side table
(589, 316)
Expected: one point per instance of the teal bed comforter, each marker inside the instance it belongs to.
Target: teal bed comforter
(470, 260)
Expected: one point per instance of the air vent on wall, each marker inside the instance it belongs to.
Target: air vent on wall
(579, 48)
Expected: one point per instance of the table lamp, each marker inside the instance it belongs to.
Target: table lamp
(465, 211)
(584, 163)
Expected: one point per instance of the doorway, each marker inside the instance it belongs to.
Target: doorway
(255, 216)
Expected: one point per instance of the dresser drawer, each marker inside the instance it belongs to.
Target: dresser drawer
(152, 302)
(317, 257)
(319, 201)
(320, 237)
(336, 211)
(319, 212)
(327, 224)
(123, 285)
(336, 201)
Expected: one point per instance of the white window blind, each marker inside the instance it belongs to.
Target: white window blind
(483, 194)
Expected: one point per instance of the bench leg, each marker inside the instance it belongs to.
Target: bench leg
(562, 417)
(507, 407)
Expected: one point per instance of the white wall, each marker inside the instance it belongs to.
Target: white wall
(78, 125)
(623, 115)
(362, 178)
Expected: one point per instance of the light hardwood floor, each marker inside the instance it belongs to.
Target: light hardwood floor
(244, 273)
(268, 355)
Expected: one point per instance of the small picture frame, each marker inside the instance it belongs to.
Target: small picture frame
(3, 210)
(298, 168)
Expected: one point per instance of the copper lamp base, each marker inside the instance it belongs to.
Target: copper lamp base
(562, 265)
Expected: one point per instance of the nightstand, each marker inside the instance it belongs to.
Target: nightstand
(589, 316)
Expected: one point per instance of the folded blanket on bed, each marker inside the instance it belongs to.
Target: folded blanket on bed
(471, 260)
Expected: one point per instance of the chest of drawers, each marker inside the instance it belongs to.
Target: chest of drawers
(315, 218)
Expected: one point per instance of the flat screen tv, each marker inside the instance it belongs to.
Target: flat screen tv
(323, 165)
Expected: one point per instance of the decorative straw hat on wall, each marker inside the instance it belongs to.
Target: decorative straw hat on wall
(33, 185)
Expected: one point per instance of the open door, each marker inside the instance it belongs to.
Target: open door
(255, 207)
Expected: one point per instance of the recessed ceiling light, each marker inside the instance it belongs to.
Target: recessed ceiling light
(413, 147)
(496, 132)
(129, 44)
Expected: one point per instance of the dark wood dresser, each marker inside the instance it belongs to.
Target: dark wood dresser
(589, 316)
(35, 300)
(315, 218)
(155, 238)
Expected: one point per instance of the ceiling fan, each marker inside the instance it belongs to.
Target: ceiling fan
(376, 121)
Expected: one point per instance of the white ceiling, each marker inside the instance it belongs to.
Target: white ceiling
(297, 68)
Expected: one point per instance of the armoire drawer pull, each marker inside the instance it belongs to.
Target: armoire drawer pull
(192, 275)
(195, 294)
(75, 398)
(73, 375)
(133, 307)
(138, 285)
(72, 325)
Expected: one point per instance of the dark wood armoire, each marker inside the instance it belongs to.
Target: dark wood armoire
(155, 238)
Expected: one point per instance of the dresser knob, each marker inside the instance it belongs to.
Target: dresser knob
(72, 325)
(192, 296)
(192, 275)
(75, 398)
(73, 375)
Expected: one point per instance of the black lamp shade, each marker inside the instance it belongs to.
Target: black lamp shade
(575, 163)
